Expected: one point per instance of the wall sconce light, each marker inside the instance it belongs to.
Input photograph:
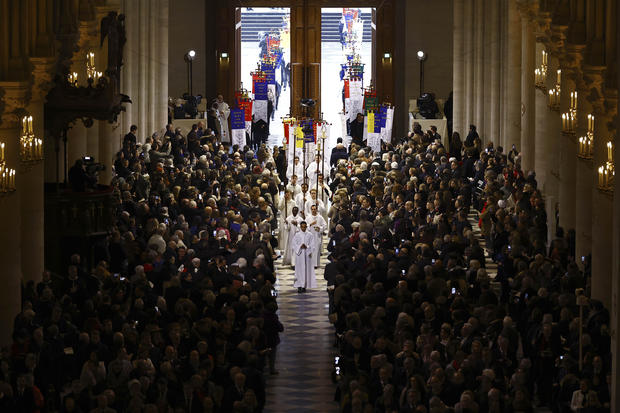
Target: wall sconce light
(7, 175)
(387, 55)
(606, 172)
(224, 55)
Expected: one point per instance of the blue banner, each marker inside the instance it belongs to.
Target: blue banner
(382, 115)
(260, 91)
(237, 119)
(308, 130)
(270, 73)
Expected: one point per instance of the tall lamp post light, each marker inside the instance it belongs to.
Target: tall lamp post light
(189, 58)
(421, 57)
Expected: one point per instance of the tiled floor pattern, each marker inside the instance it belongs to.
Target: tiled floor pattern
(306, 354)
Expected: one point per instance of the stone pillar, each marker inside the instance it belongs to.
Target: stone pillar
(92, 141)
(108, 145)
(468, 14)
(145, 73)
(31, 180)
(601, 223)
(543, 143)
(495, 64)
(528, 50)
(512, 71)
(458, 79)
(15, 101)
(76, 143)
(568, 162)
(583, 210)
(479, 69)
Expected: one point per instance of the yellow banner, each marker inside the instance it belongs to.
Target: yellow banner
(299, 137)
(371, 122)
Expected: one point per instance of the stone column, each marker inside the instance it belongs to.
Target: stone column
(92, 141)
(568, 162)
(528, 50)
(76, 143)
(31, 180)
(15, 100)
(543, 143)
(583, 210)
(495, 63)
(602, 255)
(512, 71)
(458, 79)
(468, 14)
(145, 73)
(479, 69)
(108, 145)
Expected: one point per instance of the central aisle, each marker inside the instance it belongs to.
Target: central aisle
(306, 354)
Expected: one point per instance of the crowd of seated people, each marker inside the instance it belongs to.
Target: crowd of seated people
(422, 325)
(178, 312)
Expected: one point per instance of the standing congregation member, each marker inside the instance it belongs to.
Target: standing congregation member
(303, 248)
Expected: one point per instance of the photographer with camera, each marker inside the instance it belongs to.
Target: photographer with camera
(83, 175)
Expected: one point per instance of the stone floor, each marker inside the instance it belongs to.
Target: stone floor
(306, 354)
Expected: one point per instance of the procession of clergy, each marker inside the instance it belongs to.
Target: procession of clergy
(303, 221)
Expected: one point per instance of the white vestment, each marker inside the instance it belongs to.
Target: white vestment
(300, 200)
(316, 225)
(312, 171)
(291, 228)
(286, 208)
(299, 171)
(295, 189)
(304, 260)
(310, 202)
(223, 111)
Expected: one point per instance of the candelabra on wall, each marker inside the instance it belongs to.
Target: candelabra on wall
(554, 94)
(586, 143)
(7, 175)
(92, 75)
(540, 74)
(569, 119)
(606, 172)
(31, 147)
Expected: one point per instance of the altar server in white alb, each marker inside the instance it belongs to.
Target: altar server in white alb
(291, 227)
(223, 112)
(303, 249)
(285, 207)
(317, 226)
(310, 202)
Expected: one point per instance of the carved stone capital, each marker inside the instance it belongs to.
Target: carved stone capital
(594, 79)
(14, 98)
(42, 74)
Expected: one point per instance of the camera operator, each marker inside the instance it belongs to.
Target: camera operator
(78, 178)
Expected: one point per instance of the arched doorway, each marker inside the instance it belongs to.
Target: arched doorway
(224, 37)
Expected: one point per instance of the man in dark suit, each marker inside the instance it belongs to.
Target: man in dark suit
(131, 136)
(338, 152)
(357, 130)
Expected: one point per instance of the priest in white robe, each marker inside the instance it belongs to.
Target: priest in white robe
(302, 197)
(313, 201)
(223, 112)
(285, 207)
(291, 227)
(303, 249)
(295, 167)
(293, 186)
(317, 226)
(313, 170)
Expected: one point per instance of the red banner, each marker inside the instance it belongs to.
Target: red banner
(246, 105)
(286, 131)
(347, 93)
